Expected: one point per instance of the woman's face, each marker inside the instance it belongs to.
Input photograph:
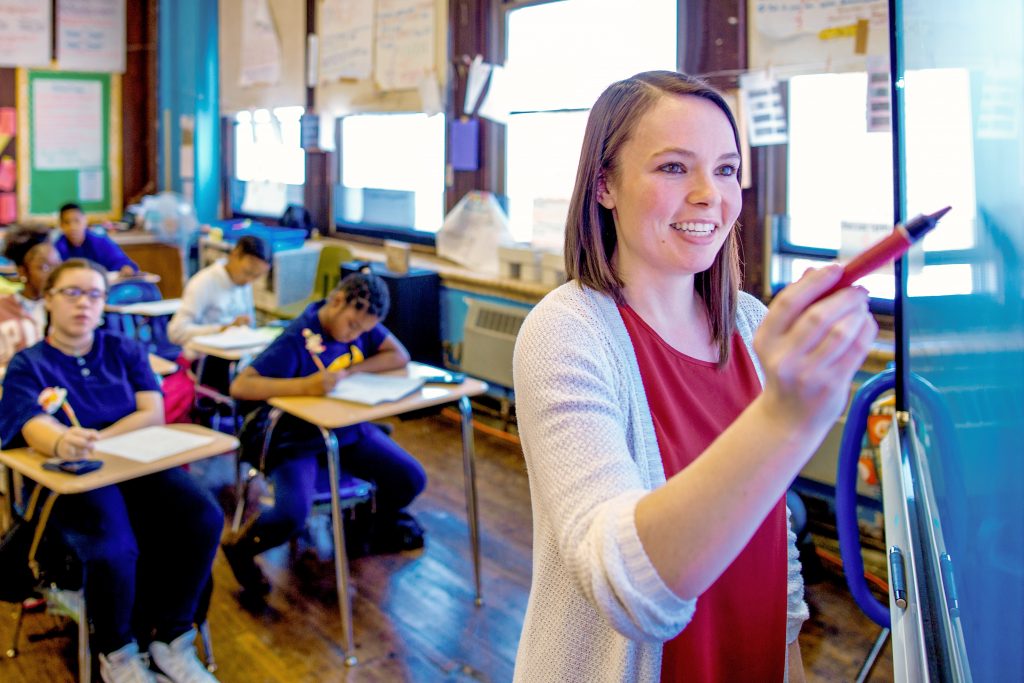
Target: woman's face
(39, 261)
(76, 301)
(674, 192)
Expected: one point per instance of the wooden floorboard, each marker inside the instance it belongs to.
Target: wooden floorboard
(414, 613)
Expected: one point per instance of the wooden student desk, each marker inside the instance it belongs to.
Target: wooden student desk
(328, 414)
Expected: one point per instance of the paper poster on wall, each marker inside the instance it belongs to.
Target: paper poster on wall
(8, 173)
(25, 27)
(878, 113)
(91, 35)
(260, 45)
(762, 103)
(818, 35)
(404, 50)
(346, 39)
(90, 185)
(8, 207)
(67, 116)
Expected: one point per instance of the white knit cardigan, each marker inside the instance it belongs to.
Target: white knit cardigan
(598, 610)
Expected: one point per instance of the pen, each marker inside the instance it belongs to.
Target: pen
(890, 247)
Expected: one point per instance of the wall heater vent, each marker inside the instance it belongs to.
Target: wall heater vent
(489, 338)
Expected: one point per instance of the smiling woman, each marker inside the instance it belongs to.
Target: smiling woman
(663, 413)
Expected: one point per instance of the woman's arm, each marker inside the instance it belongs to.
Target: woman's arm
(796, 664)
(183, 325)
(149, 411)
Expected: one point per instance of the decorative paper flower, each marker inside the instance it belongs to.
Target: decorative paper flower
(52, 399)
(315, 346)
(314, 342)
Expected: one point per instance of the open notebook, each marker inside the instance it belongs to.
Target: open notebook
(151, 443)
(239, 337)
(370, 389)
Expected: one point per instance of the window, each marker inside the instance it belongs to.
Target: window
(559, 57)
(391, 171)
(837, 171)
(270, 165)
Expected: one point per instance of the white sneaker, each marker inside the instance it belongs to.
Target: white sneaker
(125, 666)
(178, 660)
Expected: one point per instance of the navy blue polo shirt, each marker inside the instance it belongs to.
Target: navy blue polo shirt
(101, 385)
(97, 248)
(287, 358)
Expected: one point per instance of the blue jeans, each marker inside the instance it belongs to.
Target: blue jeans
(146, 548)
(365, 452)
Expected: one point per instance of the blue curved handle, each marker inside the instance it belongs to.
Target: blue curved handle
(846, 496)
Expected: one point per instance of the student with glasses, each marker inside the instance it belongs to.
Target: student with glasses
(351, 339)
(147, 545)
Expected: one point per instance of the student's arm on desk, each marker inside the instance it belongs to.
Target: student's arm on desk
(43, 433)
(391, 355)
(250, 385)
(149, 411)
(183, 325)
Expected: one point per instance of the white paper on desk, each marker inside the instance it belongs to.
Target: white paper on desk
(238, 337)
(152, 309)
(151, 443)
(370, 389)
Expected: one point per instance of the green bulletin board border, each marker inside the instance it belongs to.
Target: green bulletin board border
(41, 193)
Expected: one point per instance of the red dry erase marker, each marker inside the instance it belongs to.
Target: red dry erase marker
(890, 247)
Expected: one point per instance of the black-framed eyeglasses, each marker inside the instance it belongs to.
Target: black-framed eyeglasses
(74, 293)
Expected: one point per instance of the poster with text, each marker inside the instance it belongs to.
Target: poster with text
(25, 27)
(91, 35)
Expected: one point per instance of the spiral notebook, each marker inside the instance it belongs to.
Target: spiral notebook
(370, 389)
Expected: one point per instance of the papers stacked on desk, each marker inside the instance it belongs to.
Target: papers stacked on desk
(151, 309)
(239, 337)
(370, 389)
(151, 443)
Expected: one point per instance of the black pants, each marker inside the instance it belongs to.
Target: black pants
(146, 548)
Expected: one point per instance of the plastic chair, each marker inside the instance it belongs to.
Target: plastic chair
(328, 272)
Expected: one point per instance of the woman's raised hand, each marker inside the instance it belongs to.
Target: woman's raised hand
(811, 349)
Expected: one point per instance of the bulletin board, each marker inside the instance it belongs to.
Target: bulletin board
(69, 143)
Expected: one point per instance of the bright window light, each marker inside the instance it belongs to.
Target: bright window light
(392, 170)
(840, 172)
(553, 66)
(267, 146)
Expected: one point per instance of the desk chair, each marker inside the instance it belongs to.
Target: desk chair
(152, 331)
(60, 578)
(352, 491)
(328, 272)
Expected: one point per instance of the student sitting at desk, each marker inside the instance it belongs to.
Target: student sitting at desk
(22, 314)
(348, 322)
(80, 242)
(146, 545)
(220, 295)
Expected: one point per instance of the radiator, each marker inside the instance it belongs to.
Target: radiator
(489, 338)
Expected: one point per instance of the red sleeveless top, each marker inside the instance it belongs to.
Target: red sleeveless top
(738, 632)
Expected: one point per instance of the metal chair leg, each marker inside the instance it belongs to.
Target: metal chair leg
(207, 641)
(869, 663)
(19, 617)
(84, 655)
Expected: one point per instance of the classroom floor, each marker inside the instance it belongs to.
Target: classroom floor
(414, 615)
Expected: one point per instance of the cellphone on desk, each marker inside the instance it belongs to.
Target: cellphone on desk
(444, 378)
(72, 466)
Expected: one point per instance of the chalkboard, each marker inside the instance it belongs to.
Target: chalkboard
(69, 143)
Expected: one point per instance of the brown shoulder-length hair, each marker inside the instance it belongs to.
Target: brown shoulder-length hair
(75, 264)
(590, 228)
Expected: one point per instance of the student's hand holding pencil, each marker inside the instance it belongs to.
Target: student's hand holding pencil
(321, 383)
(76, 443)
